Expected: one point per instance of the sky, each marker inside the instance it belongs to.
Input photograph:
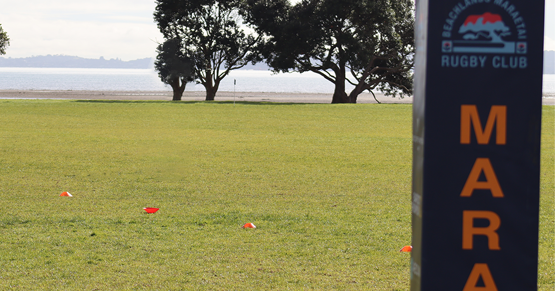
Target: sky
(122, 29)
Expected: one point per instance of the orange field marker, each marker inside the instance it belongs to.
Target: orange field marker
(406, 249)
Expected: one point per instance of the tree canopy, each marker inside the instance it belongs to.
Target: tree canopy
(211, 33)
(4, 41)
(368, 43)
(174, 68)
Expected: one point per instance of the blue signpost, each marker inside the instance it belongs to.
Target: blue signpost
(476, 144)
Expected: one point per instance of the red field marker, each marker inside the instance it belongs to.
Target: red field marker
(150, 209)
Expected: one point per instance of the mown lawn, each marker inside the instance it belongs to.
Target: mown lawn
(328, 187)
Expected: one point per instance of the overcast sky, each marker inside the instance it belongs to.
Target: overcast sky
(110, 28)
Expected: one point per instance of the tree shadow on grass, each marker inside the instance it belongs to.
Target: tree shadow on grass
(193, 102)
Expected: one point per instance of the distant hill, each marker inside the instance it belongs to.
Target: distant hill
(257, 67)
(549, 62)
(61, 61)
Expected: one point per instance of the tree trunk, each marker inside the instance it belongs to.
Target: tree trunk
(178, 89)
(211, 87)
(353, 96)
(210, 94)
(339, 95)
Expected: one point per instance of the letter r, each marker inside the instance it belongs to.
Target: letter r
(469, 231)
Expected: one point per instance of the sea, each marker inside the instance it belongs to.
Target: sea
(148, 80)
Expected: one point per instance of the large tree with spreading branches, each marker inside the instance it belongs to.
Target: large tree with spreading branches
(174, 68)
(368, 43)
(212, 34)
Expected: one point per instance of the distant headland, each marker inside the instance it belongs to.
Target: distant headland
(62, 61)
(549, 62)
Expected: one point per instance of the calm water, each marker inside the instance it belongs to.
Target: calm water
(147, 80)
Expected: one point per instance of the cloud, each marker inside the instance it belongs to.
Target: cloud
(113, 29)
(110, 28)
(548, 44)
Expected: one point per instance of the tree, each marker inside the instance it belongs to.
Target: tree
(371, 40)
(174, 68)
(486, 26)
(4, 41)
(212, 34)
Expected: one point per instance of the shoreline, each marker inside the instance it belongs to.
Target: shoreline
(324, 98)
(191, 96)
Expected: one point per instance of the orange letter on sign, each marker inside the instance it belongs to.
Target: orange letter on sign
(480, 270)
(472, 183)
(469, 231)
(469, 114)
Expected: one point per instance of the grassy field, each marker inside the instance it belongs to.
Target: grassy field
(328, 187)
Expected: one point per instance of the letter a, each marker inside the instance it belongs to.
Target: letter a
(480, 270)
(472, 183)
(469, 114)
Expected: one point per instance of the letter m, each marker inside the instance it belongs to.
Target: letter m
(497, 115)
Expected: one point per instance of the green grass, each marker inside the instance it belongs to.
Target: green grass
(546, 272)
(328, 187)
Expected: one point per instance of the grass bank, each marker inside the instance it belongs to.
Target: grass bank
(328, 187)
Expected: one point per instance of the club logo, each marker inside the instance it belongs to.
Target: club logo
(488, 30)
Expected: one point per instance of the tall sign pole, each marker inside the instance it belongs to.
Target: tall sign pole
(476, 144)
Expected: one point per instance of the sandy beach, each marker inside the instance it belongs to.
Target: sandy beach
(199, 96)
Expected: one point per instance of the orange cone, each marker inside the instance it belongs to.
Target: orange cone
(66, 194)
(406, 249)
(249, 225)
